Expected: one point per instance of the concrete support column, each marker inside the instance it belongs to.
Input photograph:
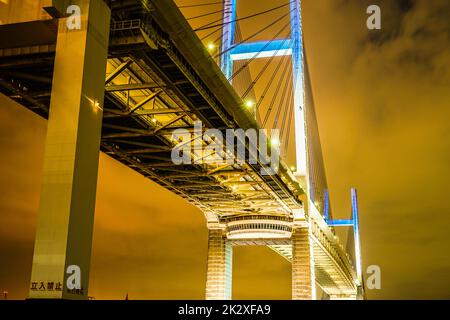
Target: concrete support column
(62, 248)
(219, 266)
(303, 280)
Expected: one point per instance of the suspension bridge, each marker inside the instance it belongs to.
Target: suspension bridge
(133, 74)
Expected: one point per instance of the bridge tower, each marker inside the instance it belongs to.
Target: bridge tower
(220, 251)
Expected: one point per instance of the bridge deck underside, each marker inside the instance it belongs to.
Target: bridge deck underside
(144, 105)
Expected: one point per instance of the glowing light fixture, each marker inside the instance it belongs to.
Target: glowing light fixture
(275, 141)
(249, 104)
(211, 46)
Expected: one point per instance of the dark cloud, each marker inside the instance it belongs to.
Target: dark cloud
(416, 39)
(405, 5)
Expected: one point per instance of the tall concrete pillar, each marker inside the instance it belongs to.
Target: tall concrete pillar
(219, 267)
(303, 279)
(66, 212)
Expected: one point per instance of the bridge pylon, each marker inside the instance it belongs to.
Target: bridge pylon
(299, 238)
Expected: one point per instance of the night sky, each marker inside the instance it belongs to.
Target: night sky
(383, 106)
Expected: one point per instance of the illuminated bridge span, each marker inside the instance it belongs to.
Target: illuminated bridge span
(159, 78)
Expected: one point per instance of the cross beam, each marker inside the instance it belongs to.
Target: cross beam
(264, 49)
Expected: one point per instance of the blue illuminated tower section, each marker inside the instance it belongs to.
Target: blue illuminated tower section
(353, 223)
(264, 49)
(228, 33)
(299, 92)
(355, 216)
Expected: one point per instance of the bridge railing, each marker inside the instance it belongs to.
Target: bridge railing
(330, 242)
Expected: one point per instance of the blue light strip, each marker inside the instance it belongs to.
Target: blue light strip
(326, 206)
(228, 33)
(264, 49)
(355, 217)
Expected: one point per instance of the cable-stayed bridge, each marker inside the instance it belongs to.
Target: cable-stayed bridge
(133, 75)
